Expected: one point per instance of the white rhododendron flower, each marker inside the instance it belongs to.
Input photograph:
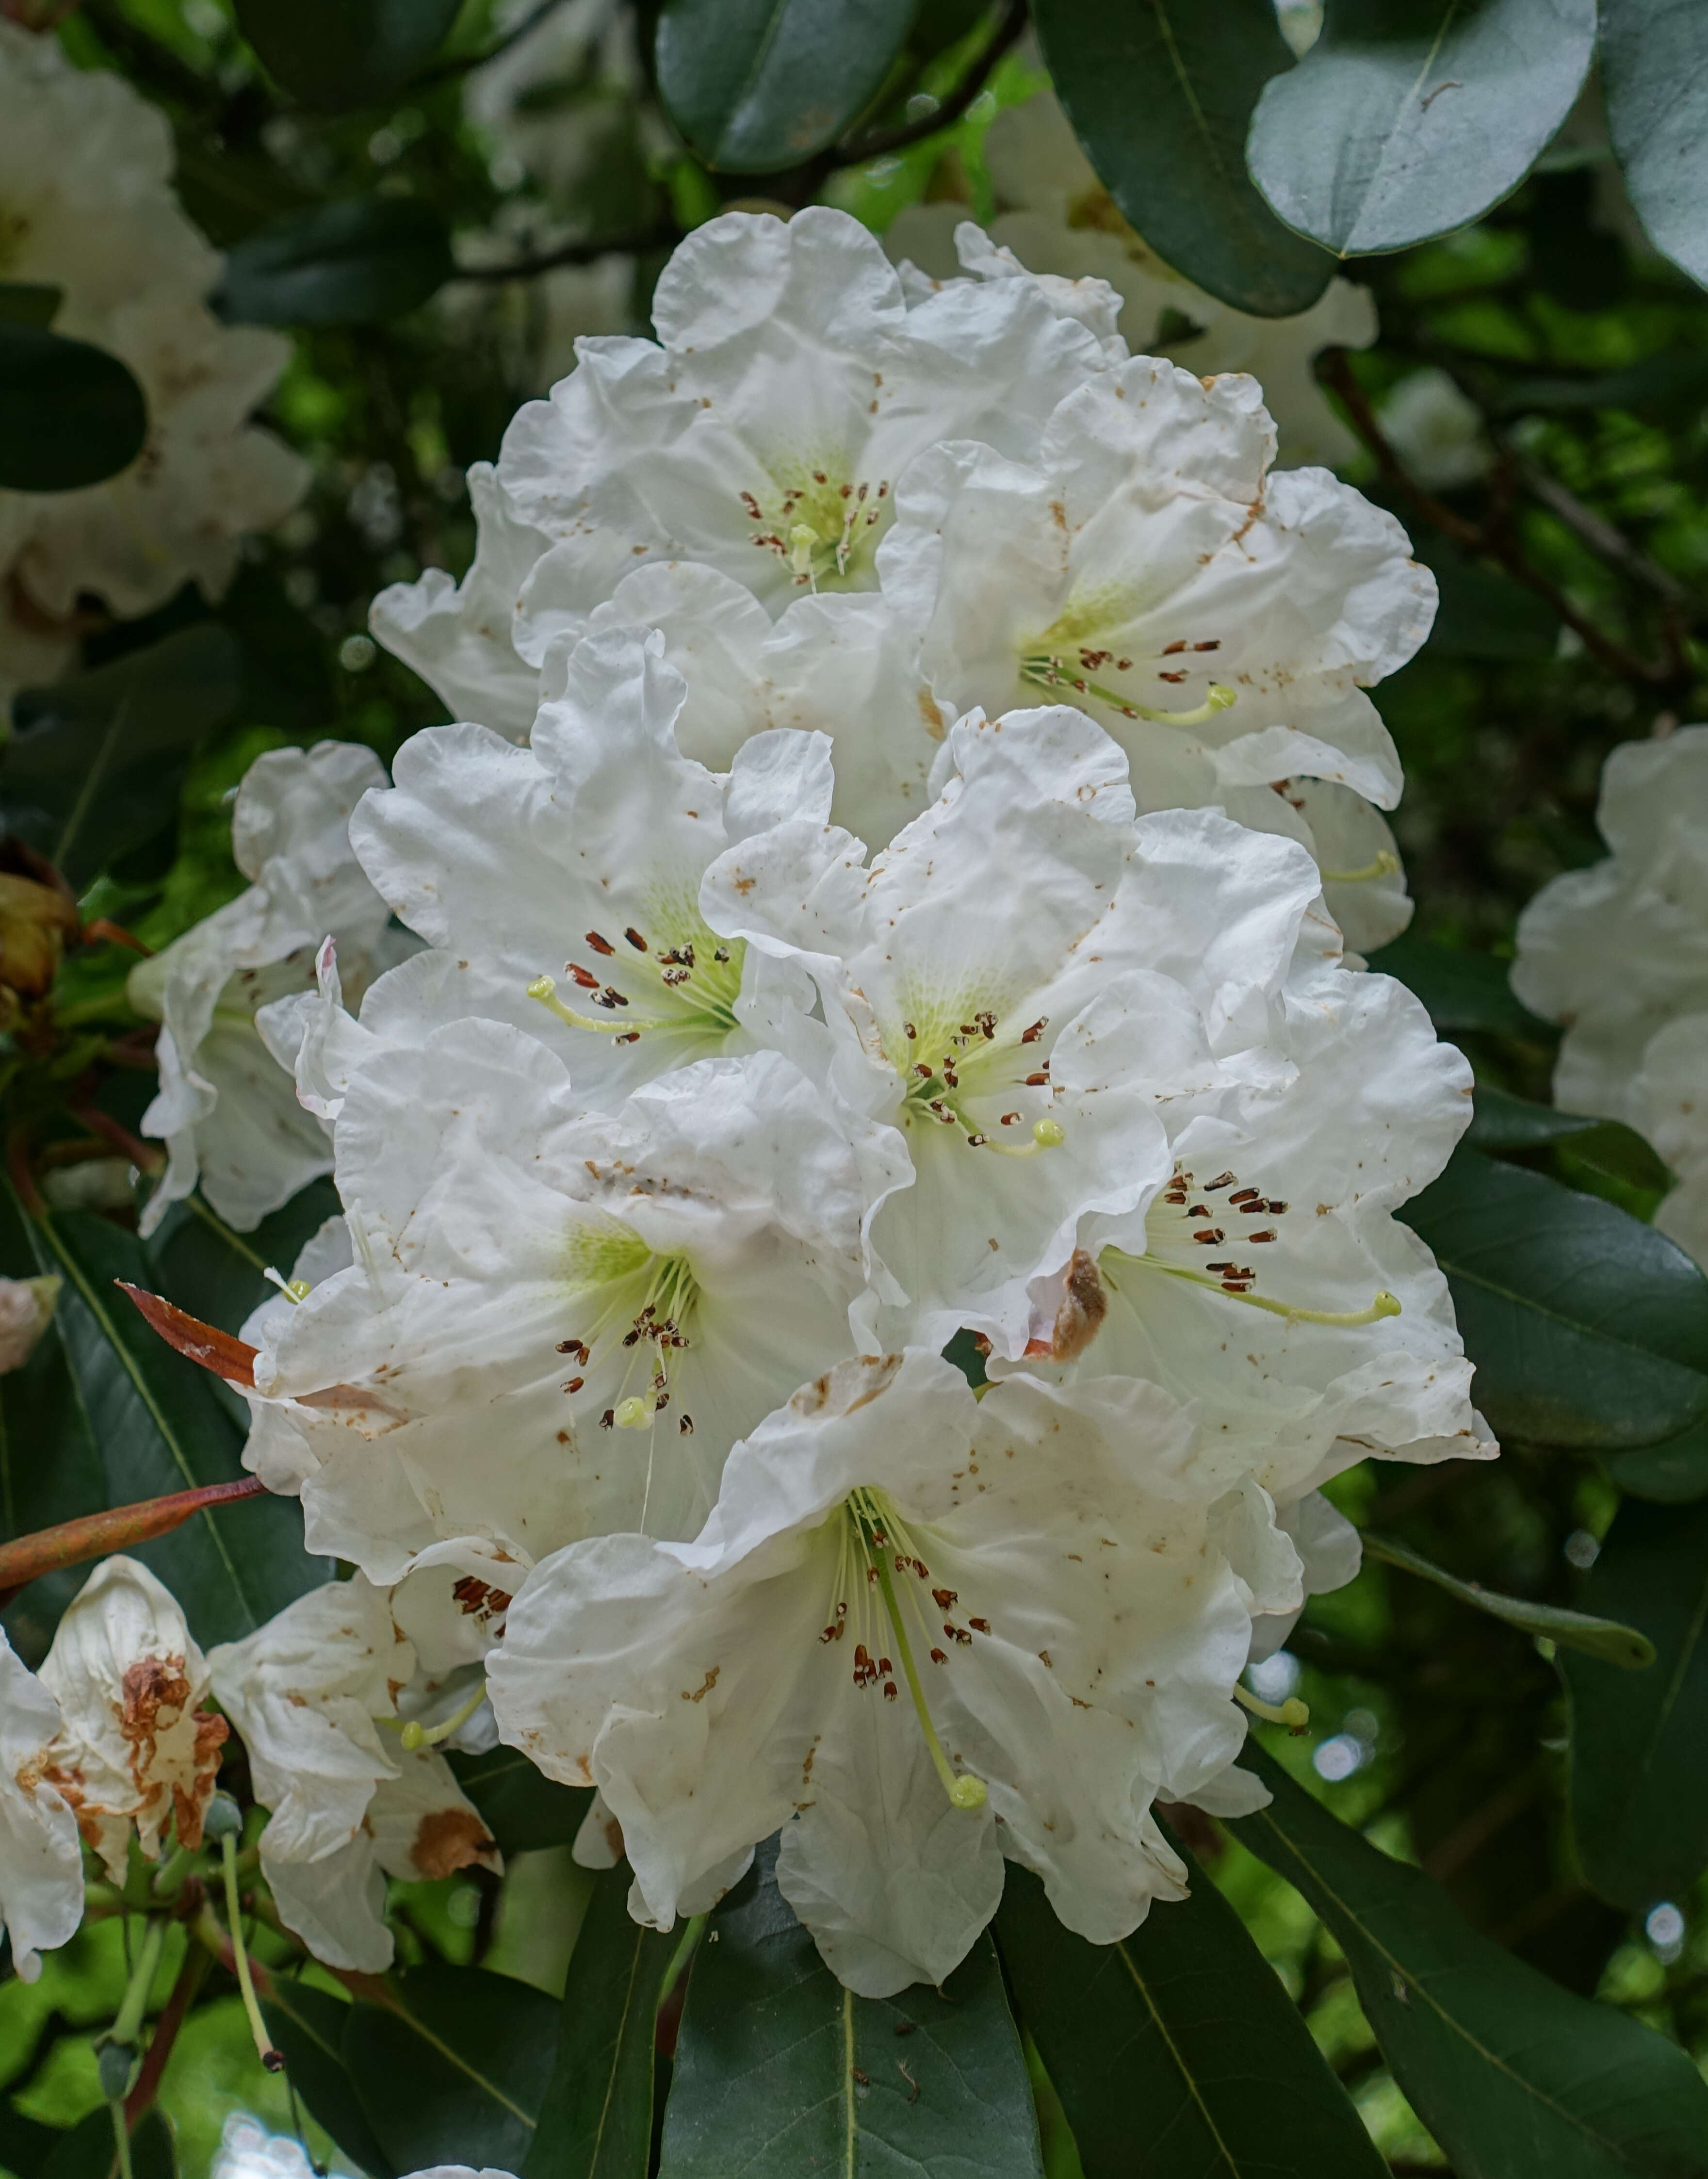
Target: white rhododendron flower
(86, 206)
(557, 885)
(1436, 430)
(1619, 954)
(225, 1109)
(1223, 623)
(40, 1863)
(135, 1757)
(911, 1613)
(350, 1804)
(763, 433)
(556, 1321)
(1057, 218)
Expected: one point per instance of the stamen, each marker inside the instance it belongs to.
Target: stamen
(545, 990)
(415, 1735)
(225, 1823)
(1385, 866)
(294, 1290)
(1051, 672)
(802, 539)
(965, 1790)
(1294, 1714)
(1384, 1304)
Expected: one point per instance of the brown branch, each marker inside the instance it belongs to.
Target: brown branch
(173, 2015)
(631, 243)
(1334, 368)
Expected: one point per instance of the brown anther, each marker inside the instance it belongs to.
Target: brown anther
(574, 1383)
(957, 1634)
(634, 939)
(584, 977)
(1210, 1236)
(598, 945)
(1271, 1235)
(1243, 1195)
(1221, 1180)
(890, 1691)
(612, 997)
(977, 1142)
(685, 1427)
(629, 1036)
(608, 1420)
(940, 1656)
(1032, 1035)
(1214, 644)
(1009, 1119)
(1040, 1080)
(1170, 676)
(982, 1625)
(1169, 650)
(720, 953)
(943, 1598)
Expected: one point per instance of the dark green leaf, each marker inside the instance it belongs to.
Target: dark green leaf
(755, 85)
(25, 2143)
(597, 2120)
(1195, 66)
(28, 302)
(308, 2024)
(1640, 1751)
(50, 1470)
(1654, 76)
(1193, 2096)
(1665, 388)
(1512, 2074)
(198, 1262)
(456, 2072)
(97, 760)
(1410, 118)
(1501, 1121)
(1672, 1473)
(521, 1807)
(1482, 614)
(781, 2071)
(89, 2150)
(70, 413)
(1462, 990)
(1608, 1639)
(349, 264)
(337, 54)
(1587, 1328)
(159, 1428)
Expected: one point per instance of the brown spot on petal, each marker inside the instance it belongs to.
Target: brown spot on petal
(450, 1839)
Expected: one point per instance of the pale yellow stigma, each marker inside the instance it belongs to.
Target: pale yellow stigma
(1385, 866)
(1294, 1714)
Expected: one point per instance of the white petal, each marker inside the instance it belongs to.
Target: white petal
(41, 1862)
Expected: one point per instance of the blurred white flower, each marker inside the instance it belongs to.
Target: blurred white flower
(26, 1309)
(87, 206)
(1437, 431)
(1617, 954)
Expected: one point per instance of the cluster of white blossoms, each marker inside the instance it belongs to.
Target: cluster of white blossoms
(1056, 217)
(853, 915)
(87, 209)
(1617, 954)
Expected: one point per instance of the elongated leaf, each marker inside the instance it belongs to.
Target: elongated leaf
(1586, 1327)
(1654, 76)
(597, 2120)
(1640, 1751)
(1672, 1473)
(1501, 1121)
(1509, 2072)
(456, 2072)
(1462, 990)
(1609, 1639)
(70, 413)
(351, 264)
(159, 1428)
(781, 2071)
(337, 54)
(755, 85)
(1192, 2097)
(522, 1810)
(50, 1469)
(307, 2026)
(25, 2143)
(1408, 117)
(97, 761)
(1197, 67)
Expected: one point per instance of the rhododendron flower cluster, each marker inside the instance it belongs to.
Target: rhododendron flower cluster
(87, 210)
(876, 901)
